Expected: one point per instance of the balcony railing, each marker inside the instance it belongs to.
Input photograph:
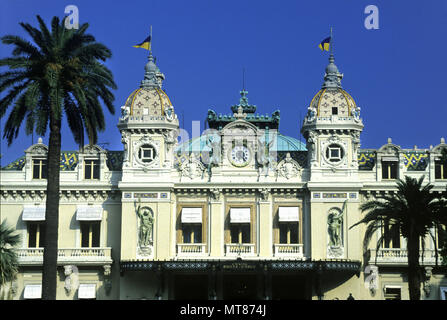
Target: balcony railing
(288, 250)
(78, 256)
(191, 249)
(239, 249)
(400, 256)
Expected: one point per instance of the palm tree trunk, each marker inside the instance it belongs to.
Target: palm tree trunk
(49, 276)
(414, 281)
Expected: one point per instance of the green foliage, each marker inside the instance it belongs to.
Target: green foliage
(413, 210)
(8, 257)
(59, 71)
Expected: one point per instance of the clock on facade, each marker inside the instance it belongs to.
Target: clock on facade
(240, 156)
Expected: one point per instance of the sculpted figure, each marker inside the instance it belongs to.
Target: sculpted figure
(146, 226)
(335, 221)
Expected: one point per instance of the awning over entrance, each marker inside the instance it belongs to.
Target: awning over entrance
(325, 266)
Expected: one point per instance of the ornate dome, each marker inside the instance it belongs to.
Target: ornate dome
(327, 99)
(149, 99)
(332, 99)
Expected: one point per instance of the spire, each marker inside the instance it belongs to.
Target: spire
(332, 78)
(152, 76)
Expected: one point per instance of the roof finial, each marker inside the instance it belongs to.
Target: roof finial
(332, 78)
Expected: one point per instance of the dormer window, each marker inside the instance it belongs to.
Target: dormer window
(440, 170)
(389, 170)
(91, 169)
(39, 168)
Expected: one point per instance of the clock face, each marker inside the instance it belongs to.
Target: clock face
(240, 156)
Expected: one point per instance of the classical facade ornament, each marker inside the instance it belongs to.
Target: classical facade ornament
(192, 168)
(335, 233)
(311, 141)
(331, 147)
(137, 153)
(264, 194)
(125, 112)
(107, 278)
(71, 273)
(263, 156)
(288, 168)
(371, 278)
(426, 281)
(215, 193)
(125, 140)
(169, 113)
(145, 230)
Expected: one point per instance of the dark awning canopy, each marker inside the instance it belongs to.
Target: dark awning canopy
(239, 265)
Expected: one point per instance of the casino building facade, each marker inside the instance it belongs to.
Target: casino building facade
(241, 212)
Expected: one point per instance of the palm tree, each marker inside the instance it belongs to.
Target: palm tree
(60, 73)
(8, 257)
(414, 212)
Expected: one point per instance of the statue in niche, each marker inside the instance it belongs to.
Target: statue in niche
(146, 226)
(335, 221)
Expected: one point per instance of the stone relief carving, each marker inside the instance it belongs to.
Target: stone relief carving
(264, 194)
(192, 168)
(311, 141)
(263, 156)
(215, 193)
(71, 273)
(136, 148)
(288, 168)
(371, 278)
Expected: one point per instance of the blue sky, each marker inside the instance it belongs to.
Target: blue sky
(396, 74)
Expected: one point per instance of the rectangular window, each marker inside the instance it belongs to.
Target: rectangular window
(36, 235)
(90, 232)
(288, 233)
(334, 111)
(392, 293)
(440, 170)
(39, 168)
(91, 169)
(192, 232)
(389, 170)
(240, 233)
(391, 236)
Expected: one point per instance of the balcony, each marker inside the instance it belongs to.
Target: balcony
(239, 249)
(191, 249)
(289, 251)
(77, 256)
(398, 256)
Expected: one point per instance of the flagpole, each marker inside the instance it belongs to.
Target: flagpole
(150, 43)
(331, 43)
